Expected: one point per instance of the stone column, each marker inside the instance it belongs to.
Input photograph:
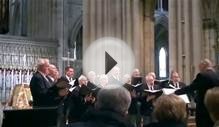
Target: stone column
(197, 35)
(187, 40)
(149, 35)
(180, 52)
(128, 20)
(172, 34)
(60, 31)
(209, 13)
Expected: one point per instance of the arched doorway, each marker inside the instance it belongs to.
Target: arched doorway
(161, 40)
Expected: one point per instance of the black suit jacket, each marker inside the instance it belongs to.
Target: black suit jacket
(147, 107)
(167, 83)
(203, 81)
(65, 78)
(41, 91)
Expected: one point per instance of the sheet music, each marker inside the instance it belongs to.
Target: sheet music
(72, 88)
(138, 84)
(94, 89)
(152, 91)
(185, 98)
(172, 86)
(168, 91)
(72, 83)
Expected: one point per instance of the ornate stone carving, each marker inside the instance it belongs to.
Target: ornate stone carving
(18, 57)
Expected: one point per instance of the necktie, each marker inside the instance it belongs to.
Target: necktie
(177, 85)
(152, 88)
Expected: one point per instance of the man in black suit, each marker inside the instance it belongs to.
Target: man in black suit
(205, 79)
(69, 74)
(174, 81)
(147, 99)
(41, 89)
(79, 100)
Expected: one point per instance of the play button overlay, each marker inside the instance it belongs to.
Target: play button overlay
(104, 54)
(109, 62)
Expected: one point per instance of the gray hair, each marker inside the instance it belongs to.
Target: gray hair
(82, 77)
(115, 99)
(41, 62)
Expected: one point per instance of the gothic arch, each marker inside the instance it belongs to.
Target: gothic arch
(161, 39)
(161, 18)
(75, 29)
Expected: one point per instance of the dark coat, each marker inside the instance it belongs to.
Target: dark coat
(41, 91)
(203, 81)
(65, 78)
(134, 108)
(94, 118)
(147, 107)
(75, 105)
(167, 124)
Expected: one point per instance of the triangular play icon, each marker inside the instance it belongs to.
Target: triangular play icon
(109, 62)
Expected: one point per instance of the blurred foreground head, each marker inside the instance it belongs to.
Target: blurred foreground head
(212, 103)
(170, 108)
(115, 99)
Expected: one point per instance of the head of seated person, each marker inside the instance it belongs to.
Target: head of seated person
(110, 110)
(116, 99)
(170, 108)
(212, 103)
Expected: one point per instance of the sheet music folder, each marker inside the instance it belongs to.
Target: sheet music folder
(136, 80)
(157, 93)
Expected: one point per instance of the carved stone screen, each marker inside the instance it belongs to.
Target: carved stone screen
(18, 58)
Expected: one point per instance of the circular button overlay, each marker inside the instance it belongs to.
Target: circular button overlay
(110, 59)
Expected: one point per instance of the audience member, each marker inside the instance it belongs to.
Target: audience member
(110, 110)
(212, 104)
(170, 111)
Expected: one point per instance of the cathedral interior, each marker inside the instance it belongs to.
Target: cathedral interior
(164, 35)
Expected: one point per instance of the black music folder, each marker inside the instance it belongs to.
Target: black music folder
(157, 93)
